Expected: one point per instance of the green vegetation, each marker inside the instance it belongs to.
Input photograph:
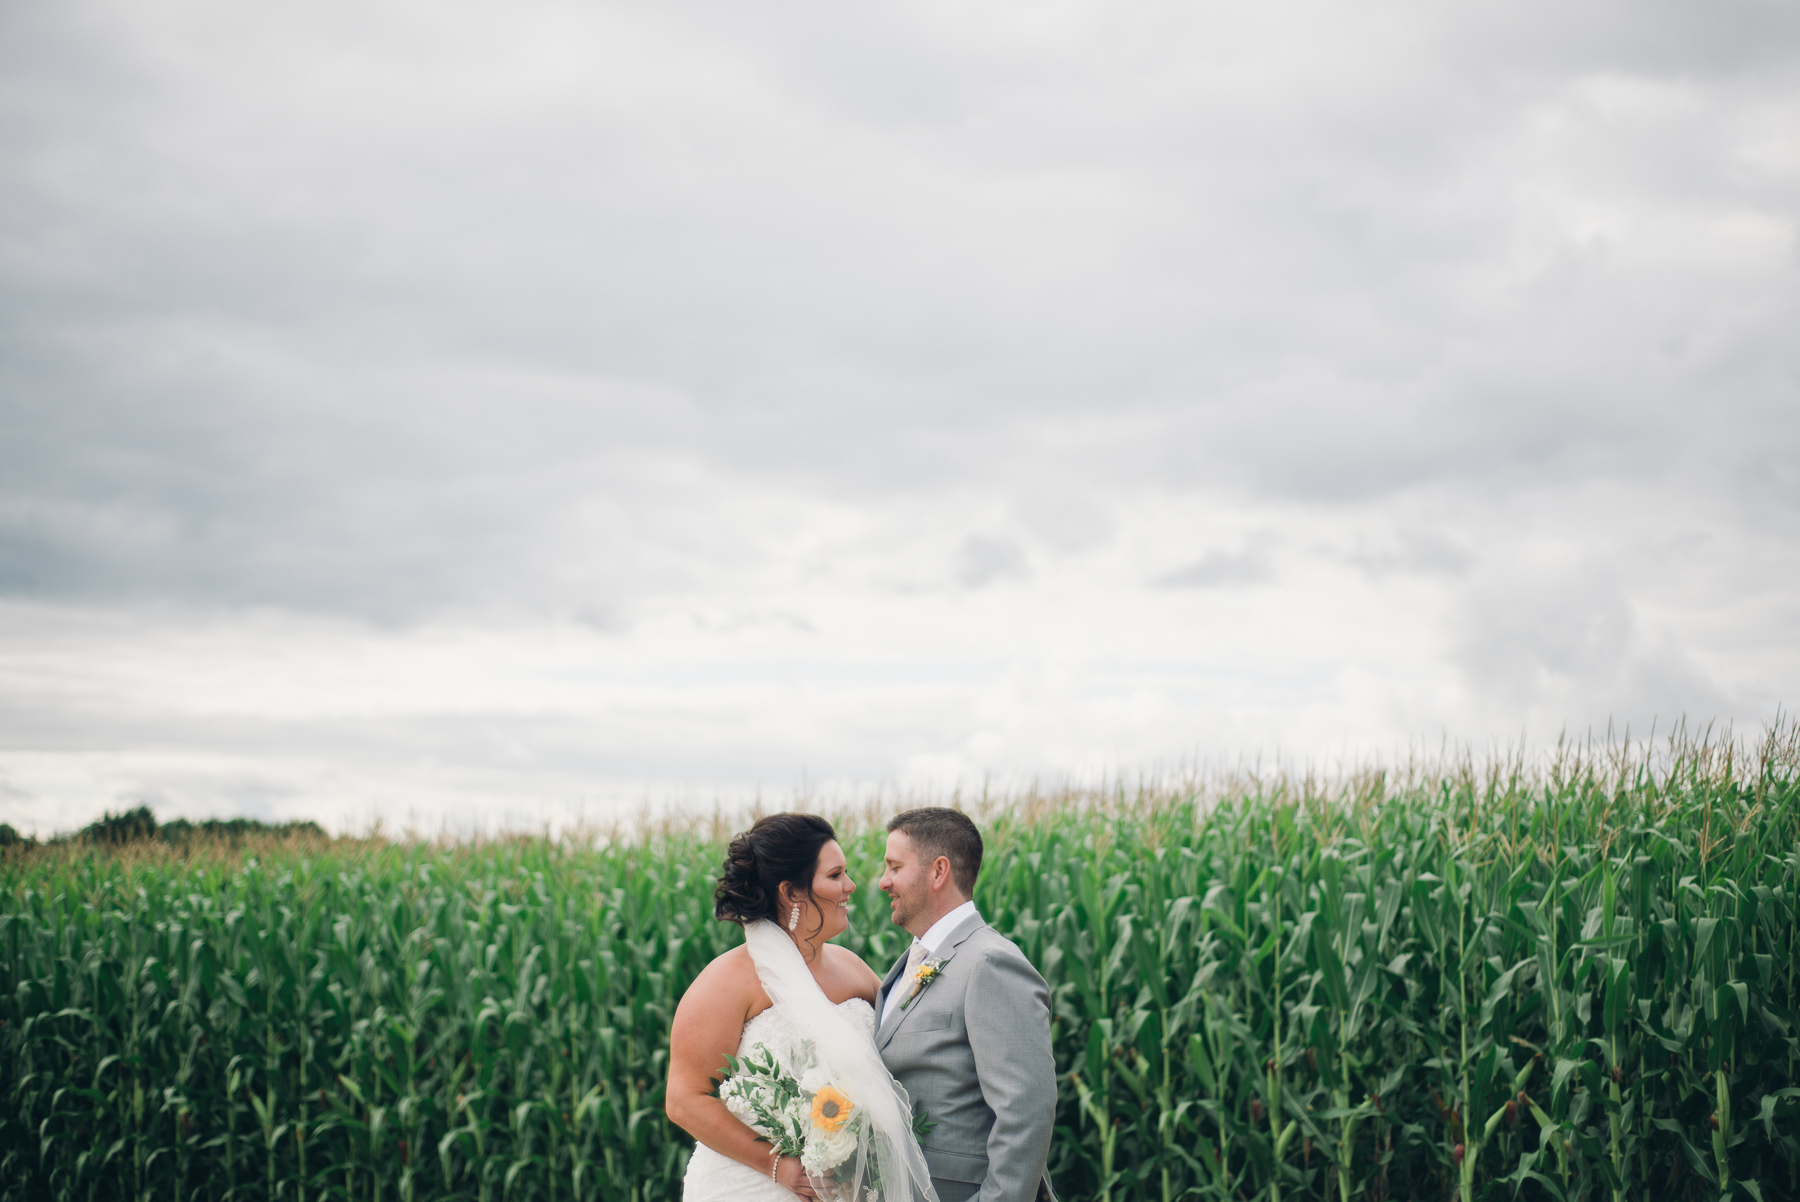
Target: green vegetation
(139, 825)
(1470, 982)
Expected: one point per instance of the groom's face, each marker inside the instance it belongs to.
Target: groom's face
(906, 882)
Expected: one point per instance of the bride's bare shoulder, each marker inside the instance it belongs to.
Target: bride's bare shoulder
(853, 973)
(845, 960)
(727, 966)
(731, 981)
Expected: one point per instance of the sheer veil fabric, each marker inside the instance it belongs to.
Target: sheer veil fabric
(889, 1158)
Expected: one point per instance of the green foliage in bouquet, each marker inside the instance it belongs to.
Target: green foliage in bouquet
(772, 1098)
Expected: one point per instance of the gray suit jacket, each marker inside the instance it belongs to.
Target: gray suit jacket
(973, 1048)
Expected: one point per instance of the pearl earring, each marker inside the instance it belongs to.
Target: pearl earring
(794, 918)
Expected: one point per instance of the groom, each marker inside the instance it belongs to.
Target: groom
(970, 1041)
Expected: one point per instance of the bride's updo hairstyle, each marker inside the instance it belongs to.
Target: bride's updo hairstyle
(779, 848)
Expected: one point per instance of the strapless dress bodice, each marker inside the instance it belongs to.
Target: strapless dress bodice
(712, 1177)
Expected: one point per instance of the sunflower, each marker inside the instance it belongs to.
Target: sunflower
(830, 1109)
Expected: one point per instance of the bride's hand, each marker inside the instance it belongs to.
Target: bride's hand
(790, 1173)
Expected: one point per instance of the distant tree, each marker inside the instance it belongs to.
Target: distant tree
(128, 827)
(233, 830)
(12, 838)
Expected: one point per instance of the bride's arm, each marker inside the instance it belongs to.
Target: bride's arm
(708, 1025)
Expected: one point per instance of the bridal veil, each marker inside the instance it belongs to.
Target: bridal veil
(888, 1163)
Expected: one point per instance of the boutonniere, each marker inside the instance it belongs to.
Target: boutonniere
(927, 972)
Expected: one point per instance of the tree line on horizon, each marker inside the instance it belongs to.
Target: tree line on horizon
(139, 825)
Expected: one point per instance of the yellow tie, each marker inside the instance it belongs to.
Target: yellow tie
(903, 988)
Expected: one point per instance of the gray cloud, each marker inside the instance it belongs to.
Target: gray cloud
(1562, 637)
(1412, 549)
(1221, 569)
(1338, 274)
(1519, 636)
(982, 560)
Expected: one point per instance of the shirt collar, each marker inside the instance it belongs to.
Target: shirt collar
(941, 929)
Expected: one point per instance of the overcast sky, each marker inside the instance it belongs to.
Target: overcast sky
(467, 414)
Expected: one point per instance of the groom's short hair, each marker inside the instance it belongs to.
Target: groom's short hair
(937, 831)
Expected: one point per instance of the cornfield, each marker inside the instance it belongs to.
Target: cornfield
(1573, 981)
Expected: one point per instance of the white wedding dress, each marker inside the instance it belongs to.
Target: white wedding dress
(715, 1178)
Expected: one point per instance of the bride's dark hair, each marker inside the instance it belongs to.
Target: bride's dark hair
(778, 848)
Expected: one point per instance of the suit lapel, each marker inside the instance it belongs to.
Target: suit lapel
(886, 1032)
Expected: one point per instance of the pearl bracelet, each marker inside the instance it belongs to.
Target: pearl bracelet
(774, 1164)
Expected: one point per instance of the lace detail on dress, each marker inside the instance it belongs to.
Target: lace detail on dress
(775, 1030)
(712, 1177)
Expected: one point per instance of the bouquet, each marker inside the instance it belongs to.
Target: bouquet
(806, 1116)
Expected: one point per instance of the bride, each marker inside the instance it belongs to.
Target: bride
(804, 1000)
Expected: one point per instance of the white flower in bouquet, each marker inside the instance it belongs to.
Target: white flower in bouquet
(748, 1103)
(826, 1150)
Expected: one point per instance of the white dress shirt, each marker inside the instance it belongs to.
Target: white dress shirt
(933, 939)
